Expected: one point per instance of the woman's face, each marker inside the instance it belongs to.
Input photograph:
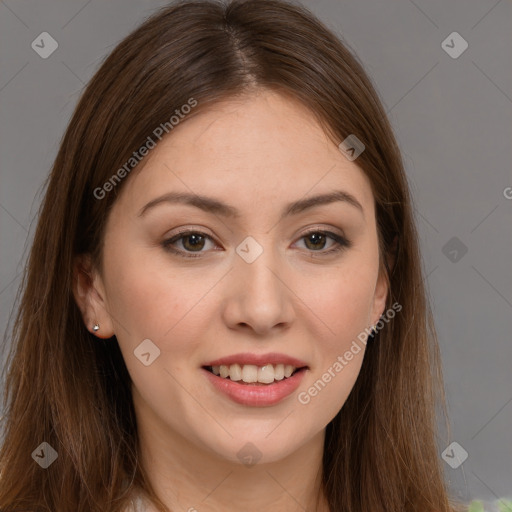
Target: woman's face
(256, 278)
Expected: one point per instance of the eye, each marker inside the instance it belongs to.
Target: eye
(316, 239)
(193, 241)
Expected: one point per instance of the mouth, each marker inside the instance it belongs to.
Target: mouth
(255, 375)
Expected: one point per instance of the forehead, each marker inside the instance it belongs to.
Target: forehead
(260, 148)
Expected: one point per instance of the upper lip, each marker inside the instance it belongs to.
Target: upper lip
(257, 360)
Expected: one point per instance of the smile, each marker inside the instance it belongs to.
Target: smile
(256, 394)
(250, 373)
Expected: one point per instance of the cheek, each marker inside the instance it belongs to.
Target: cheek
(150, 300)
(341, 313)
(137, 301)
(340, 301)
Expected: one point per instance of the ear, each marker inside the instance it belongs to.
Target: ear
(380, 296)
(90, 296)
(382, 287)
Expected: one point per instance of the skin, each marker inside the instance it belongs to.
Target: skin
(256, 153)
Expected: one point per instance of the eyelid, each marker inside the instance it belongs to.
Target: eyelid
(322, 229)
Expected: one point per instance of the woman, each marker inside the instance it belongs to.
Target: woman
(224, 306)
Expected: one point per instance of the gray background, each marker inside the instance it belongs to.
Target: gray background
(453, 121)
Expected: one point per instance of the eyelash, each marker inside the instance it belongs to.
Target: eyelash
(341, 242)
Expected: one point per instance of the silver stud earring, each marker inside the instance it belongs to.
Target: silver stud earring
(96, 327)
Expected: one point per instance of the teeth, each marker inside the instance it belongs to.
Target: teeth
(251, 373)
(288, 370)
(266, 374)
(279, 372)
(235, 372)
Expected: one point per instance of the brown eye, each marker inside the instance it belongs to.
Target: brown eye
(316, 241)
(191, 241)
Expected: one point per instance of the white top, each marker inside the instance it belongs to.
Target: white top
(136, 505)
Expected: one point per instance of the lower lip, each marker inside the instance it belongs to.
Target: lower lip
(257, 395)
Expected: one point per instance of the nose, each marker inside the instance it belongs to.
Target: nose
(259, 296)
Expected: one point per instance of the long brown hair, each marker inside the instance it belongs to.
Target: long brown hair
(71, 390)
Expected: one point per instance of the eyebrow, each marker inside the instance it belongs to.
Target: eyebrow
(211, 205)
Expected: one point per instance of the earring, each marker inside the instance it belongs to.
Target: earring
(96, 327)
